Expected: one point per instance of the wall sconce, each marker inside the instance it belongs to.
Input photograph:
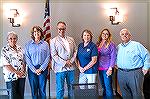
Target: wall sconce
(14, 18)
(115, 17)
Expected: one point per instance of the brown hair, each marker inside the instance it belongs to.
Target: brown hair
(87, 31)
(108, 40)
(38, 29)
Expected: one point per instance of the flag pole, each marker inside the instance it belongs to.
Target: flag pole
(47, 36)
(49, 64)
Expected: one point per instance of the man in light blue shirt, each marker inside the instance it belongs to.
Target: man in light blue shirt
(133, 61)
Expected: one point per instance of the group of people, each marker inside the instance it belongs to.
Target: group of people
(131, 58)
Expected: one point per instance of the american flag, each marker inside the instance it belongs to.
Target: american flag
(46, 25)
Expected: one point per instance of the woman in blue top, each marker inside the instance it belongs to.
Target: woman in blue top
(37, 54)
(87, 59)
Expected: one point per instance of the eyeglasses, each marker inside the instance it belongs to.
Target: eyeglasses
(36, 31)
(61, 29)
(12, 38)
(105, 34)
(124, 34)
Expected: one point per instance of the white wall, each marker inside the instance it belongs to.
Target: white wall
(78, 15)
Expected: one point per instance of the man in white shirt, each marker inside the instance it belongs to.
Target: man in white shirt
(63, 53)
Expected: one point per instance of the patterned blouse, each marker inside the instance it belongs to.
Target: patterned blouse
(14, 58)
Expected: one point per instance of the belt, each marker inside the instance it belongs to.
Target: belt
(127, 70)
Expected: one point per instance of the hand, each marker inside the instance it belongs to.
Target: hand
(82, 70)
(109, 72)
(144, 71)
(20, 74)
(68, 63)
(38, 71)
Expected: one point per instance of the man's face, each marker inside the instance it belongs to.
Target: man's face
(61, 28)
(125, 36)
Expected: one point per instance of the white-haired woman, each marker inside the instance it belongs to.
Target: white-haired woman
(14, 67)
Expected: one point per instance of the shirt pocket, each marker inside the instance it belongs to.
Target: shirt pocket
(133, 55)
(43, 51)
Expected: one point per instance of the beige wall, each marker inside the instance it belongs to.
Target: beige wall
(78, 15)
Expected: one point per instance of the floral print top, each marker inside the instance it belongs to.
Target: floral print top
(14, 58)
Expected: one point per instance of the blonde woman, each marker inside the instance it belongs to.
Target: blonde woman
(107, 57)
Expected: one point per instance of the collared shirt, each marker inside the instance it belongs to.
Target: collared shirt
(85, 54)
(107, 56)
(132, 55)
(60, 54)
(66, 43)
(14, 58)
(37, 54)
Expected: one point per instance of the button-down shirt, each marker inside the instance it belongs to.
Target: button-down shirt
(133, 55)
(37, 54)
(15, 59)
(66, 43)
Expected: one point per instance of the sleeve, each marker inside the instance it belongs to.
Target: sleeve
(5, 58)
(145, 55)
(45, 63)
(75, 51)
(54, 54)
(28, 59)
(94, 51)
(78, 51)
(113, 55)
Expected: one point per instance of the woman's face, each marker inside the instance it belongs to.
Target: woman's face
(12, 40)
(37, 34)
(86, 37)
(105, 35)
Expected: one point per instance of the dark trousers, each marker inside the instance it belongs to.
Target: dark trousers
(146, 86)
(131, 83)
(16, 88)
(38, 84)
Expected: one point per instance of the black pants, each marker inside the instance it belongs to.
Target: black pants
(146, 86)
(17, 88)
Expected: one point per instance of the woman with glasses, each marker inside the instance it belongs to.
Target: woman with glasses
(37, 54)
(14, 69)
(106, 59)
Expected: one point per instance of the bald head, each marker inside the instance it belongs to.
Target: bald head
(125, 35)
(125, 31)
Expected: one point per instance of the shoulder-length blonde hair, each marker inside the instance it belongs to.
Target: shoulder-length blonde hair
(107, 41)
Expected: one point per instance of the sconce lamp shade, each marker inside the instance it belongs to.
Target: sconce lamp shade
(14, 16)
(114, 17)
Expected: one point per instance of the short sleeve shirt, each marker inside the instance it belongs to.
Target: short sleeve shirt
(14, 58)
(85, 54)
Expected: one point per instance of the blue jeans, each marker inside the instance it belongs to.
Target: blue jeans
(106, 82)
(38, 84)
(17, 88)
(60, 79)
